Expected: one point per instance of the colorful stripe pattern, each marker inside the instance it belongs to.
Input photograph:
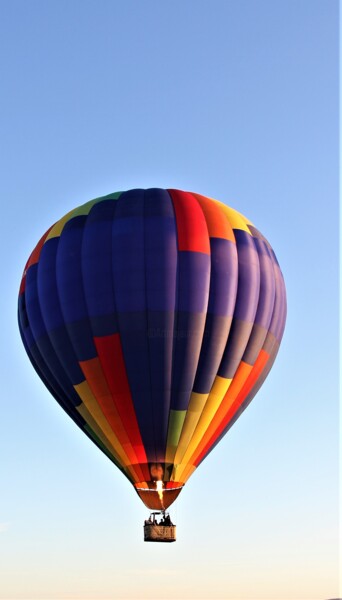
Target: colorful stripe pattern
(153, 317)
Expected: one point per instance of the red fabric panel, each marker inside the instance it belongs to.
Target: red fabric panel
(191, 224)
(254, 375)
(109, 350)
(34, 257)
(96, 380)
(173, 484)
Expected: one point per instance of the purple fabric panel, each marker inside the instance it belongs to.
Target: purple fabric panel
(188, 336)
(267, 286)
(239, 335)
(223, 277)
(279, 313)
(222, 297)
(248, 277)
(193, 281)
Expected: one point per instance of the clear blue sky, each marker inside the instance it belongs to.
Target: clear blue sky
(237, 100)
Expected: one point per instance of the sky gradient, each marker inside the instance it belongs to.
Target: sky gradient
(237, 101)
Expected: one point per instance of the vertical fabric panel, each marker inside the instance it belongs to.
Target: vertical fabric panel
(128, 251)
(160, 252)
(52, 314)
(246, 303)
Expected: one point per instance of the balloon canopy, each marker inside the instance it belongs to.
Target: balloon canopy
(153, 317)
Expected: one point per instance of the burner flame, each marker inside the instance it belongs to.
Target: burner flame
(159, 487)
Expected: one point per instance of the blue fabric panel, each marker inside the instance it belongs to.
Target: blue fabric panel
(134, 340)
(223, 277)
(104, 324)
(130, 293)
(160, 344)
(97, 268)
(52, 363)
(193, 281)
(47, 285)
(160, 251)
(24, 322)
(52, 314)
(47, 376)
(160, 275)
(27, 335)
(24, 327)
(248, 278)
(70, 288)
(128, 253)
(32, 303)
(188, 337)
(43, 342)
(62, 345)
(69, 270)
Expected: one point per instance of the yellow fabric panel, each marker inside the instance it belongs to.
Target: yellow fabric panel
(217, 393)
(94, 375)
(238, 381)
(197, 402)
(84, 412)
(186, 471)
(176, 421)
(236, 219)
(196, 405)
(85, 393)
(56, 230)
(84, 209)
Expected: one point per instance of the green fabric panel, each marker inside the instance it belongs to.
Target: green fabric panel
(85, 209)
(175, 426)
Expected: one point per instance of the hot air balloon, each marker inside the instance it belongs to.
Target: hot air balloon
(153, 317)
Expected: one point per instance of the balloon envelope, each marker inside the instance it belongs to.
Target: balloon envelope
(153, 317)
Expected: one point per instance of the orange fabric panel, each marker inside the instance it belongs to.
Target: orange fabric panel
(217, 222)
(34, 258)
(258, 367)
(109, 350)
(238, 381)
(96, 380)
